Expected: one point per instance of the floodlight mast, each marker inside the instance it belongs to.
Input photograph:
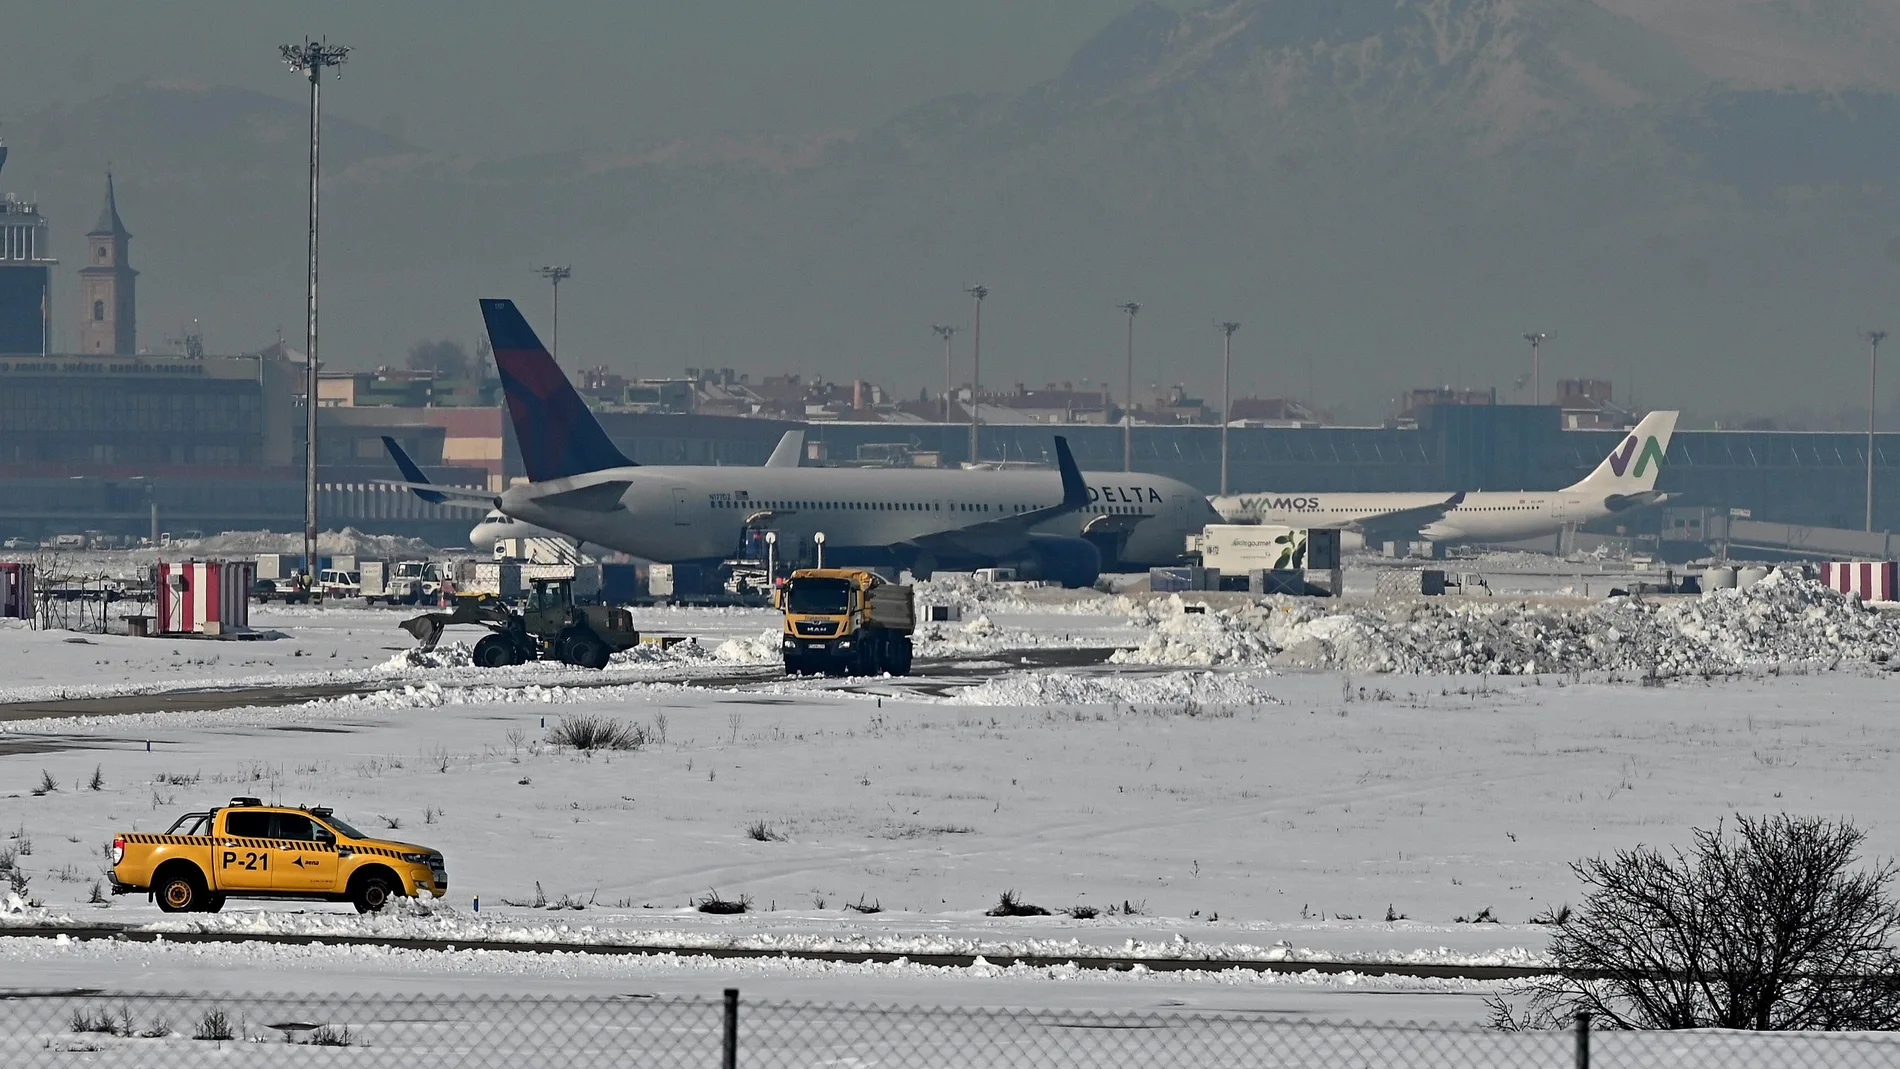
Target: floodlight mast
(312, 58)
(1874, 338)
(945, 332)
(977, 293)
(555, 275)
(1536, 338)
(1128, 401)
(1226, 394)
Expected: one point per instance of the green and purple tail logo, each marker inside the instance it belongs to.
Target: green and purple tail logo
(1620, 460)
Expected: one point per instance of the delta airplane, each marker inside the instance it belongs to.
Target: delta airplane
(1064, 525)
(497, 525)
(1626, 479)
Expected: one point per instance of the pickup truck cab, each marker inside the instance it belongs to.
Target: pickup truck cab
(338, 584)
(251, 850)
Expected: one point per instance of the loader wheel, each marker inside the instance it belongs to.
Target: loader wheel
(180, 892)
(587, 651)
(493, 651)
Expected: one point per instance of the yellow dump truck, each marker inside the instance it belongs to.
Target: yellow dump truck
(846, 621)
(251, 850)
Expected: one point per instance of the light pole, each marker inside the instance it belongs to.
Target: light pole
(555, 275)
(1873, 367)
(1128, 407)
(977, 293)
(945, 333)
(1536, 338)
(311, 58)
(1226, 394)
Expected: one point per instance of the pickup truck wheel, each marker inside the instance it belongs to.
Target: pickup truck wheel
(180, 892)
(493, 651)
(213, 903)
(371, 893)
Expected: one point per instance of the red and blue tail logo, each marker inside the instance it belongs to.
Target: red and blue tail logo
(557, 434)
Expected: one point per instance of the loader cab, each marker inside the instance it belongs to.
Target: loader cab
(554, 595)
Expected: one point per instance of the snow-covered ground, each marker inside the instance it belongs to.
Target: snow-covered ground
(1238, 811)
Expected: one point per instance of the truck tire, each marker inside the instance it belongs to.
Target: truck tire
(371, 891)
(214, 903)
(493, 651)
(180, 889)
(898, 661)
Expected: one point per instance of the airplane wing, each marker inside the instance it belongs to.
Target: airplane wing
(981, 537)
(1405, 524)
(417, 483)
(786, 453)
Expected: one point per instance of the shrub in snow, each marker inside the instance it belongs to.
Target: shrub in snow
(587, 732)
(1011, 906)
(1771, 928)
(712, 903)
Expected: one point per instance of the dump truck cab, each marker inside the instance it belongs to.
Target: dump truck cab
(251, 850)
(846, 621)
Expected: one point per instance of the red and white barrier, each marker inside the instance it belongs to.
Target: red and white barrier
(16, 591)
(1868, 580)
(192, 594)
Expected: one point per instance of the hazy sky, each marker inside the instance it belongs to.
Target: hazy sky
(451, 72)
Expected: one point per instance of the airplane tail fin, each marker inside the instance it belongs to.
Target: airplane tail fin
(786, 453)
(1633, 466)
(557, 434)
(411, 473)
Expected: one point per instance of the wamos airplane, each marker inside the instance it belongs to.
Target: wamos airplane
(1064, 525)
(1625, 480)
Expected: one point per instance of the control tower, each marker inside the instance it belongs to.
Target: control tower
(26, 276)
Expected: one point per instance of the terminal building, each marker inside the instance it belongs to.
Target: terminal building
(26, 275)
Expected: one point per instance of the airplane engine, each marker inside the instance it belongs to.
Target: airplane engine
(1073, 562)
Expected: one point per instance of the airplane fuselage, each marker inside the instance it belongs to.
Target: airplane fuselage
(701, 513)
(498, 525)
(1481, 517)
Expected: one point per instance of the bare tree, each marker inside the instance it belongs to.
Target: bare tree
(1766, 929)
(446, 358)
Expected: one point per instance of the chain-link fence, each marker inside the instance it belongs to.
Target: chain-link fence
(231, 1031)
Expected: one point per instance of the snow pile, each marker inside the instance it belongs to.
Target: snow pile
(1166, 689)
(1783, 619)
(758, 650)
(452, 655)
(330, 543)
(964, 593)
(983, 636)
(1179, 637)
(440, 921)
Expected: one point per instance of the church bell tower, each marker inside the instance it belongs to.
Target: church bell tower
(109, 320)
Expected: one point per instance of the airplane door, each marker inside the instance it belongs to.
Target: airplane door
(680, 517)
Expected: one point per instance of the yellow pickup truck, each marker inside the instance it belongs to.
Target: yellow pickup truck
(251, 850)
